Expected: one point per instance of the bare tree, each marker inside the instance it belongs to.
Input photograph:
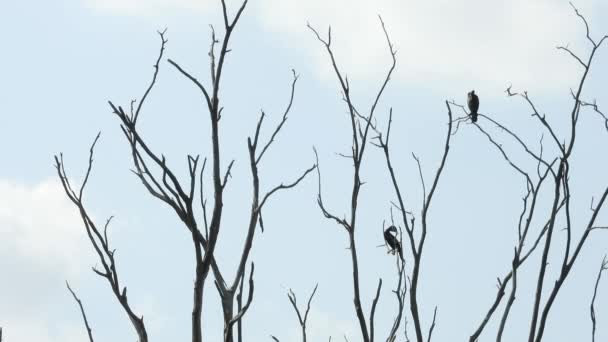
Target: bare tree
(536, 225)
(361, 125)
(161, 181)
(360, 128)
(557, 170)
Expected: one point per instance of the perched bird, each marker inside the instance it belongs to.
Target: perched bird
(473, 103)
(390, 236)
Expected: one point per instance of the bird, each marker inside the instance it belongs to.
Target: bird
(473, 103)
(391, 240)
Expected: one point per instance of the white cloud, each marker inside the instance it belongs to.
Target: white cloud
(468, 43)
(42, 243)
(442, 44)
(39, 223)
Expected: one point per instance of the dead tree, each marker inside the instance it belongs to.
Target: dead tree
(552, 174)
(256, 149)
(154, 172)
(361, 127)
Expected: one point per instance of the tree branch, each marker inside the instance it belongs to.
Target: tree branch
(82, 312)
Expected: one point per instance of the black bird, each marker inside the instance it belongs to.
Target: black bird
(473, 103)
(391, 240)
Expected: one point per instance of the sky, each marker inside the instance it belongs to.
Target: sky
(62, 61)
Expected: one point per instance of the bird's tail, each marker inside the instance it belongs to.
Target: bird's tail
(474, 117)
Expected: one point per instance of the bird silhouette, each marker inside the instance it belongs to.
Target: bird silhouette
(390, 236)
(473, 103)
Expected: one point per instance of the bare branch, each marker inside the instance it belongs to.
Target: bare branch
(287, 186)
(302, 319)
(518, 139)
(505, 315)
(280, 125)
(100, 245)
(541, 118)
(578, 14)
(425, 209)
(432, 325)
(203, 200)
(86, 177)
(565, 48)
(400, 293)
(326, 213)
(596, 109)
(603, 268)
(242, 312)
(194, 80)
(421, 179)
(227, 174)
(506, 157)
(82, 312)
(505, 280)
(156, 68)
(373, 311)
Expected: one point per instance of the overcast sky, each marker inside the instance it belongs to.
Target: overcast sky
(62, 61)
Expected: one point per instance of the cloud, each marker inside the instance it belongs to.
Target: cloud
(39, 223)
(441, 43)
(42, 243)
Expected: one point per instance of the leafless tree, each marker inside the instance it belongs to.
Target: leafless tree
(360, 127)
(161, 181)
(556, 169)
(535, 226)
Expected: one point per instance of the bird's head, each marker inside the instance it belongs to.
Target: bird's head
(472, 93)
(392, 229)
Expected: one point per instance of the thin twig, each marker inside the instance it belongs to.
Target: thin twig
(82, 312)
